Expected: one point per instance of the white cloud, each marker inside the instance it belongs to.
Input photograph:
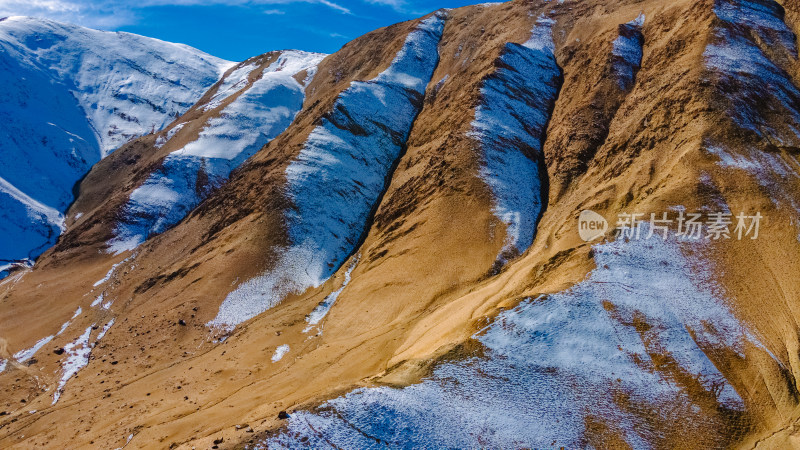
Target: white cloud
(335, 6)
(110, 14)
(397, 5)
(100, 14)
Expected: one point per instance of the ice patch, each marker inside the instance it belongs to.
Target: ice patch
(280, 352)
(340, 174)
(509, 125)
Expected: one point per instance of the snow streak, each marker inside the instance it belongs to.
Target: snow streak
(627, 52)
(509, 126)
(341, 173)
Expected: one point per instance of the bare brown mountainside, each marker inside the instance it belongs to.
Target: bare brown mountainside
(402, 267)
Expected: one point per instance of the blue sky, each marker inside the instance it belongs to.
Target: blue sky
(235, 29)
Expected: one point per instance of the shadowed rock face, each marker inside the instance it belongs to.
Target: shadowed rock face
(379, 247)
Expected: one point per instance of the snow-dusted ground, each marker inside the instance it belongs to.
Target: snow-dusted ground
(627, 51)
(71, 96)
(76, 356)
(737, 55)
(340, 174)
(262, 111)
(760, 97)
(509, 126)
(552, 362)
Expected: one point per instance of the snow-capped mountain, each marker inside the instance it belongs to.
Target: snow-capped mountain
(70, 97)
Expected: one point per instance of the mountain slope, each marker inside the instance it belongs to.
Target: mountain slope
(401, 265)
(72, 96)
(259, 110)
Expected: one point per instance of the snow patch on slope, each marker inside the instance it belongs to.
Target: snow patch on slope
(509, 125)
(747, 30)
(280, 352)
(98, 300)
(231, 84)
(553, 362)
(290, 274)
(24, 355)
(111, 271)
(77, 357)
(162, 139)
(341, 173)
(187, 176)
(325, 306)
(105, 329)
(627, 51)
